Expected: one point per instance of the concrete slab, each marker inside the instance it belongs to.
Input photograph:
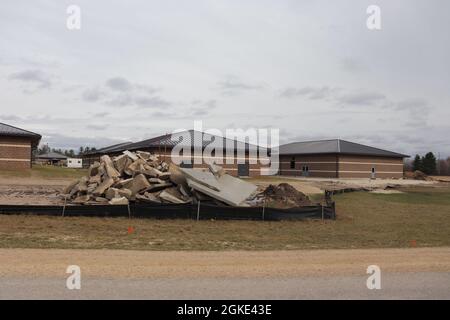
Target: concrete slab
(119, 201)
(138, 184)
(169, 197)
(103, 187)
(131, 155)
(233, 191)
(158, 187)
(204, 178)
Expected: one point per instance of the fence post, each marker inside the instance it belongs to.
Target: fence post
(129, 211)
(322, 211)
(64, 207)
(264, 208)
(198, 210)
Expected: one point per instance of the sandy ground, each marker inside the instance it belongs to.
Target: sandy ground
(312, 186)
(31, 190)
(33, 181)
(125, 264)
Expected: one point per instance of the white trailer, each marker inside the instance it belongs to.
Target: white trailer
(74, 163)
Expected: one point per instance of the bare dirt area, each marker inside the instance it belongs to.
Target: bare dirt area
(211, 264)
(315, 186)
(31, 191)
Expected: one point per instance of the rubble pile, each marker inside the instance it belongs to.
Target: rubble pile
(282, 195)
(143, 177)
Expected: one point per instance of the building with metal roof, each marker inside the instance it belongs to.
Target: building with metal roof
(16, 147)
(338, 158)
(191, 139)
(52, 158)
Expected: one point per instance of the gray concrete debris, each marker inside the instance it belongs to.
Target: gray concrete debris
(216, 170)
(100, 190)
(101, 200)
(158, 187)
(141, 176)
(168, 196)
(156, 181)
(233, 191)
(148, 197)
(205, 178)
(81, 199)
(138, 184)
(131, 155)
(119, 201)
(69, 187)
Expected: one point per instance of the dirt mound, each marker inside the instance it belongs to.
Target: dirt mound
(284, 195)
(417, 175)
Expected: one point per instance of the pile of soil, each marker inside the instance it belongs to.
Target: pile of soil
(285, 196)
(417, 175)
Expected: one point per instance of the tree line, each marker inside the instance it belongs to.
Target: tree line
(429, 165)
(67, 152)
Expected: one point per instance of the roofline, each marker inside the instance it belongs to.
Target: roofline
(190, 131)
(28, 131)
(399, 155)
(307, 141)
(394, 154)
(360, 144)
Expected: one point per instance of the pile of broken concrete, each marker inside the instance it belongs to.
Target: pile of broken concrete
(142, 177)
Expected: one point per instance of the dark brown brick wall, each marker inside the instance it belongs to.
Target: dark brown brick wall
(342, 166)
(15, 153)
(318, 165)
(361, 167)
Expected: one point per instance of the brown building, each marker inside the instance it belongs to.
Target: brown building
(164, 144)
(339, 159)
(16, 147)
(51, 158)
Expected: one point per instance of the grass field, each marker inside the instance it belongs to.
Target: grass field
(419, 217)
(45, 172)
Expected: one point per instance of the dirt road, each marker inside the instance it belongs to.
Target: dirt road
(175, 264)
(407, 273)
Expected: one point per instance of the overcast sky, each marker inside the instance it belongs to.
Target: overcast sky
(313, 69)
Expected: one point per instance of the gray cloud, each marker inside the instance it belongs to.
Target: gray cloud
(362, 98)
(9, 117)
(97, 126)
(119, 84)
(352, 65)
(313, 93)
(56, 140)
(92, 95)
(36, 77)
(151, 102)
(120, 100)
(120, 92)
(232, 85)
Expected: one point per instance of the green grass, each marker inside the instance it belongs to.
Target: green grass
(365, 220)
(46, 172)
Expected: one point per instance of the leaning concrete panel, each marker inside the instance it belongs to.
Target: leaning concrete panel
(233, 191)
(205, 178)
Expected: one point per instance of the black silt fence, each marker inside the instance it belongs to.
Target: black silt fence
(203, 211)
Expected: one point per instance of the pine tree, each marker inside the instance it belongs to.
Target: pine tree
(429, 163)
(417, 163)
